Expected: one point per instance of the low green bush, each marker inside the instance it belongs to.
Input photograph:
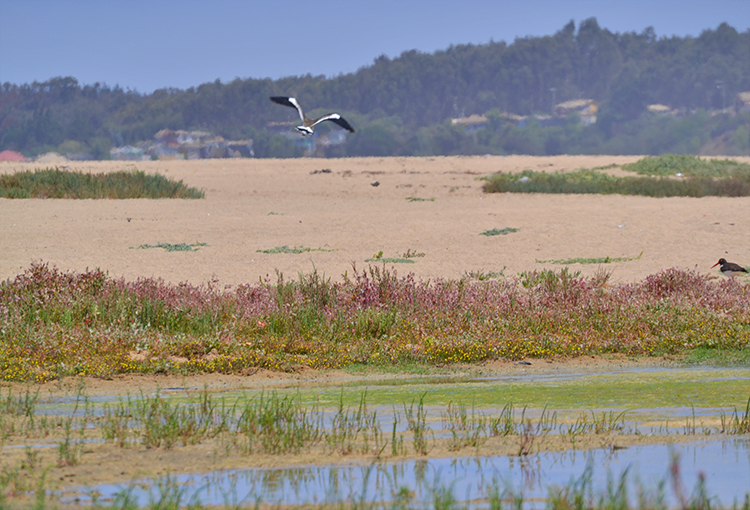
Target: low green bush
(56, 183)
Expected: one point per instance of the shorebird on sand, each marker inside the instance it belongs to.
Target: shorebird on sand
(730, 269)
(306, 128)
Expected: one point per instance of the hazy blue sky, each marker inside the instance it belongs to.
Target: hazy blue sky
(145, 45)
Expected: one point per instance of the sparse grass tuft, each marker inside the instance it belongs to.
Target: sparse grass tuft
(378, 257)
(174, 247)
(482, 275)
(599, 260)
(55, 183)
(412, 254)
(499, 232)
(296, 250)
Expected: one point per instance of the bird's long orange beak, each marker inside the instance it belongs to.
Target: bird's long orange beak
(714, 265)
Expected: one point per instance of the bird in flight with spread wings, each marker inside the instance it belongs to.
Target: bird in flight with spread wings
(306, 128)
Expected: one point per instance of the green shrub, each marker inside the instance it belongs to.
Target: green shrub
(687, 165)
(55, 183)
(590, 181)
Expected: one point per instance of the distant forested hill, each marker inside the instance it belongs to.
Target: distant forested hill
(402, 105)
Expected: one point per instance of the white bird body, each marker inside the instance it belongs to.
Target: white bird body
(306, 128)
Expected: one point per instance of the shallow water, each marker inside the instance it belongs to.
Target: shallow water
(616, 388)
(650, 387)
(725, 464)
(648, 397)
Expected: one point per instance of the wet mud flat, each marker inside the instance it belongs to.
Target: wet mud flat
(345, 438)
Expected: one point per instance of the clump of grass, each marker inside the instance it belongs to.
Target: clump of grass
(482, 275)
(499, 232)
(174, 247)
(55, 183)
(467, 429)
(418, 425)
(296, 249)
(378, 257)
(69, 450)
(593, 182)
(412, 254)
(737, 423)
(688, 165)
(598, 260)
(418, 199)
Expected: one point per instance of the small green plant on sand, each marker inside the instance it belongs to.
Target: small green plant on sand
(173, 247)
(599, 260)
(499, 232)
(296, 249)
(482, 275)
(378, 257)
(412, 254)
(418, 199)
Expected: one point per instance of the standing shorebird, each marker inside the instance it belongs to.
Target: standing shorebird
(729, 269)
(306, 128)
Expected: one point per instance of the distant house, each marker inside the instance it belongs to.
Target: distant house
(518, 120)
(308, 144)
(661, 109)
(219, 148)
(181, 144)
(743, 101)
(471, 123)
(586, 108)
(128, 153)
(12, 156)
(281, 128)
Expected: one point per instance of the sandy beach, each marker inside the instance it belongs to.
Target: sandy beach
(352, 209)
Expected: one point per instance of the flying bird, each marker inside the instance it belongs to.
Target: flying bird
(729, 269)
(306, 128)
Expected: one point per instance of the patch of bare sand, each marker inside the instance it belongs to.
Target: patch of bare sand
(254, 205)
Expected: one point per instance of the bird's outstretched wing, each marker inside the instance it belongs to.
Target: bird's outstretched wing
(291, 102)
(338, 119)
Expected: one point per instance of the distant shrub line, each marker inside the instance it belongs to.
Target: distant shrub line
(55, 183)
(696, 177)
(54, 324)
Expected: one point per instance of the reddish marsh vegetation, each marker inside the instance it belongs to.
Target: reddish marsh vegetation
(54, 323)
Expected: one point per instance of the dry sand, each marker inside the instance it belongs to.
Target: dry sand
(253, 205)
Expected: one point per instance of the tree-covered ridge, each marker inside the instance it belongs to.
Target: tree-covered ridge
(401, 104)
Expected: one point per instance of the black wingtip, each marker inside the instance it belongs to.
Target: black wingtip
(341, 121)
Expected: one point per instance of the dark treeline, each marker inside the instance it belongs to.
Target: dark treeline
(402, 106)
